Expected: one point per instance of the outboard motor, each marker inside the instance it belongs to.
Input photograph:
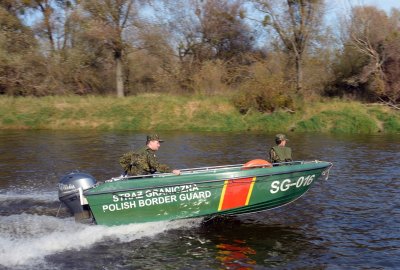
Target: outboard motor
(70, 192)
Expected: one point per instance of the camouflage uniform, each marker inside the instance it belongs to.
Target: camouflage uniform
(147, 162)
(280, 153)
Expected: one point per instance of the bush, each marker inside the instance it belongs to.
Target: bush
(265, 95)
(210, 78)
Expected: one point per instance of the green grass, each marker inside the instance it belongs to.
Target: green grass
(340, 121)
(190, 113)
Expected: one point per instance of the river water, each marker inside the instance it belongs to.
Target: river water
(350, 221)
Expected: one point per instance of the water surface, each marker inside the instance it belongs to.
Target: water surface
(351, 221)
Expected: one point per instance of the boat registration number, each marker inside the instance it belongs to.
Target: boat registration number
(284, 185)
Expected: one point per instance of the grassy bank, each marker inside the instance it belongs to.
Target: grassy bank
(190, 113)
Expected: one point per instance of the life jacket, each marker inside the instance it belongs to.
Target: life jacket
(284, 153)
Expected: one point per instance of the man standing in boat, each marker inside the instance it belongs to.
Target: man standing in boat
(280, 152)
(144, 160)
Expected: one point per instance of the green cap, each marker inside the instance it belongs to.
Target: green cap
(281, 137)
(154, 137)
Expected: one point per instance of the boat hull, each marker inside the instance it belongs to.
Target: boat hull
(223, 191)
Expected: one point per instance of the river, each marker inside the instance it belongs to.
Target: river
(350, 221)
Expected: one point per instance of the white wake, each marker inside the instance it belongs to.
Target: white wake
(26, 239)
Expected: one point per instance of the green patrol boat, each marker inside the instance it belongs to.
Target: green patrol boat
(197, 192)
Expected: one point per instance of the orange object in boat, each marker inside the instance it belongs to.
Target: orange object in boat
(256, 163)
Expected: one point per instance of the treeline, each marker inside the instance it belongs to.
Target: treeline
(268, 53)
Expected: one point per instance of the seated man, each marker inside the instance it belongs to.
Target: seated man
(144, 160)
(280, 152)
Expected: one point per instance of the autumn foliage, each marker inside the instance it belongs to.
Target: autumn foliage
(240, 48)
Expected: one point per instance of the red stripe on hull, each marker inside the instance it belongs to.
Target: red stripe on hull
(236, 193)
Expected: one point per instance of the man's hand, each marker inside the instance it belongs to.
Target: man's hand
(177, 172)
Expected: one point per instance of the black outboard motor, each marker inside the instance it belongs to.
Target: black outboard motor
(70, 192)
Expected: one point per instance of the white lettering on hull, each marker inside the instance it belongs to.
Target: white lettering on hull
(285, 185)
(159, 196)
(119, 206)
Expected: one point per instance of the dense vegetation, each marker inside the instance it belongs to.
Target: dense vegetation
(265, 55)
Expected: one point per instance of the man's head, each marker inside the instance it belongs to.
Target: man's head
(153, 141)
(279, 138)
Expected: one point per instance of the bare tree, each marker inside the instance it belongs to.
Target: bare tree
(49, 25)
(223, 30)
(375, 36)
(297, 23)
(109, 19)
(202, 31)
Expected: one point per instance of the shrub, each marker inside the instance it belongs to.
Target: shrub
(265, 95)
(209, 79)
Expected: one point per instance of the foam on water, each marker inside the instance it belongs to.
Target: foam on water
(19, 195)
(26, 239)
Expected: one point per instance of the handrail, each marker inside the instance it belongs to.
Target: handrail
(190, 171)
(264, 172)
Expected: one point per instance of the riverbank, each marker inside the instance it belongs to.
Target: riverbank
(190, 113)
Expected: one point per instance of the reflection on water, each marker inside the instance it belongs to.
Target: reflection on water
(351, 221)
(243, 244)
(236, 255)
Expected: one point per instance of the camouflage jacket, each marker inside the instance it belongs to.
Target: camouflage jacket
(280, 154)
(147, 163)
